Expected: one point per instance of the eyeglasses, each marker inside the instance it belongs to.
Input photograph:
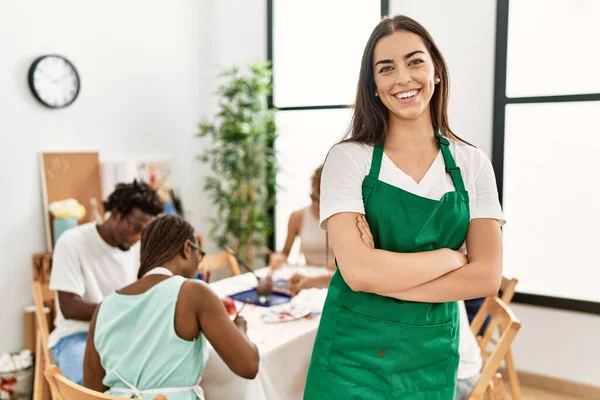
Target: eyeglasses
(197, 248)
(135, 227)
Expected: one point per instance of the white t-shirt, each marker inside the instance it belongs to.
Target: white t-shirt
(341, 191)
(468, 348)
(84, 264)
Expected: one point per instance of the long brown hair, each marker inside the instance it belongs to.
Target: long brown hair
(369, 122)
(162, 240)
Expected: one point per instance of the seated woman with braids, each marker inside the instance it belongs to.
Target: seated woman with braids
(149, 338)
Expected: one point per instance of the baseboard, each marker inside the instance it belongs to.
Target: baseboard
(558, 385)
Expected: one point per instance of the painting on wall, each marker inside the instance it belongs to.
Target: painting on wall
(158, 174)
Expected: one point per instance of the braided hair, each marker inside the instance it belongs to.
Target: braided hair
(162, 240)
(128, 196)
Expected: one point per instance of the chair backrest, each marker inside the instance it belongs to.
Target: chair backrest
(64, 389)
(507, 289)
(42, 266)
(502, 320)
(41, 321)
(223, 259)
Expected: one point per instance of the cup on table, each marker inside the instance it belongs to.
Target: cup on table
(264, 289)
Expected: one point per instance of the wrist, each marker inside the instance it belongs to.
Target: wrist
(309, 282)
(448, 259)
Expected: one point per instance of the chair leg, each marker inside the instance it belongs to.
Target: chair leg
(46, 394)
(513, 378)
(38, 377)
(495, 390)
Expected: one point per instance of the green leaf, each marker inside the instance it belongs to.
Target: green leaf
(243, 163)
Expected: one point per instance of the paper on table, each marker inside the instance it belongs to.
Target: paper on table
(311, 298)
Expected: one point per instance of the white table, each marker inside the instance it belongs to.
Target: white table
(284, 348)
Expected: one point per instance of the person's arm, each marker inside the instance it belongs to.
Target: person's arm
(93, 372)
(74, 307)
(378, 271)
(299, 282)
(331, 265)
(68, 280)
(319, 281)
(481, 277)
(228, 340)
(277, 260)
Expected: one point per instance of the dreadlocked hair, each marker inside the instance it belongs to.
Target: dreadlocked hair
(128, 196)
(162, 240)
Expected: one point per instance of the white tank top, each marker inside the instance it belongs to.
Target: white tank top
(313, 240)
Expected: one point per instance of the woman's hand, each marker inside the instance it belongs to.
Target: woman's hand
(459, 259)
(297, 283)
(365, 231)
(277, 260)
(241, 323)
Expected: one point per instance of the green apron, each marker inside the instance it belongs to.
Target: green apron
(375, 347)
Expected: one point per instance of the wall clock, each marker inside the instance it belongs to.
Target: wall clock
(54, 81)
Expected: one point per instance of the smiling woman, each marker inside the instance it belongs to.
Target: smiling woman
(424, 196)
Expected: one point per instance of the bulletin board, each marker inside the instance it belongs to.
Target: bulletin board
(71, 175)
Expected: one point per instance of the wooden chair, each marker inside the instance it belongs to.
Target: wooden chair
(223, 259)
(507, 292)
(507, 289)
(64, 389)
(42, 266)
(199, 239)
(43, 298)
(502, 320)
(42, 352)
(495, 389)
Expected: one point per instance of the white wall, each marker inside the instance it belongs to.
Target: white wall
(148, 74)
(464, 30)
(556, 343)
(147, 70)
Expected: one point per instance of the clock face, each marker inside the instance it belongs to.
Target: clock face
(54, 81)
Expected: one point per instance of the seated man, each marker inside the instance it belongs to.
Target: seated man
(90, 262)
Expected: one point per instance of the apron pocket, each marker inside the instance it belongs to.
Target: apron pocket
(399, 358)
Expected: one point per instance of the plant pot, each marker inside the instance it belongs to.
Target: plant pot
(63, 224)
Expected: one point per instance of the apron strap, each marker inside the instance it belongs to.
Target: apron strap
(158, 271)
(451, 167)
(376, 161)
(133, 391)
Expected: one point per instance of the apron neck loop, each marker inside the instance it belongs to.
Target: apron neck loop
(376, 160)
(451, 167)
(158, 271)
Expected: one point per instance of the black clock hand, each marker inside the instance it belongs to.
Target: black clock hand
(63, 77)
(46, 75)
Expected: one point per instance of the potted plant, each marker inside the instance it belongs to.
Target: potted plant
(243, 163)
(67, 213)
